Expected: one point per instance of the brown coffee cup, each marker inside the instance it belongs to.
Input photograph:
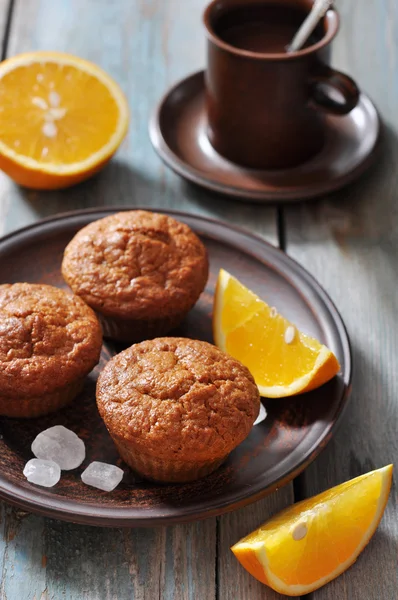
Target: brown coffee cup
(266, 109)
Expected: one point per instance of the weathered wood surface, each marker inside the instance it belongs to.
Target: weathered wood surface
(146, 45)
(349, 241)
(5, 16)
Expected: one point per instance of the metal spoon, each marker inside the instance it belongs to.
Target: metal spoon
(318, 11)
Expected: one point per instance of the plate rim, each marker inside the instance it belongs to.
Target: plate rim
(193, 175)
(108, 516)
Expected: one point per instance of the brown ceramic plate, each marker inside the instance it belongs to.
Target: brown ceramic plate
(294, 432)
(178, 131)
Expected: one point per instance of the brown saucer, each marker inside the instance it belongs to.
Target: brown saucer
(295, 431)
(178, 133)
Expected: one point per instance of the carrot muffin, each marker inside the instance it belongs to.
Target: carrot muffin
(140, 271)
(176, 407)
(49, 342)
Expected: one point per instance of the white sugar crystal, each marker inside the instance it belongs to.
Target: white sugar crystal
(60, 445)
(102, 476)
(42, 472)
(261, 415)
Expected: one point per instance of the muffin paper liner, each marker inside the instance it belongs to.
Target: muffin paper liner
(167, 471)
(35, 406)
(134, 330)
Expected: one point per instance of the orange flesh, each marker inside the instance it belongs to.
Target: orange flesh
(78, 104)
(254, 333)
(338, 522)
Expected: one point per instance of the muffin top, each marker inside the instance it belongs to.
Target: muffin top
(176, 397)
(136, 264)
(48, 338)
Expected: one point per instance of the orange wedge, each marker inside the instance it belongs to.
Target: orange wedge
(61, 119)
(312, 542)
(282, 360)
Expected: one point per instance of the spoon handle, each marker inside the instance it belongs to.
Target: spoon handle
(318, 11)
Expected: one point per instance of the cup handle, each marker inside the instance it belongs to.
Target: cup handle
(323, 77)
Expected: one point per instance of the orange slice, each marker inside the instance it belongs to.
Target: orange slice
(312, 542)
(61, 119)
(282, 360)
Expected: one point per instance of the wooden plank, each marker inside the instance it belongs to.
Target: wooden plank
(234, 583)
(21, 546)
(146, 45)
(349, 241)
(143, 564)
(5, 7)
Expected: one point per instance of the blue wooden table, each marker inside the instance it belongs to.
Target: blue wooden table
(349, 241)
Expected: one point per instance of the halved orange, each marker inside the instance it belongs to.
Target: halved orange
(312, 542)
(61, 119)
(282, 360)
